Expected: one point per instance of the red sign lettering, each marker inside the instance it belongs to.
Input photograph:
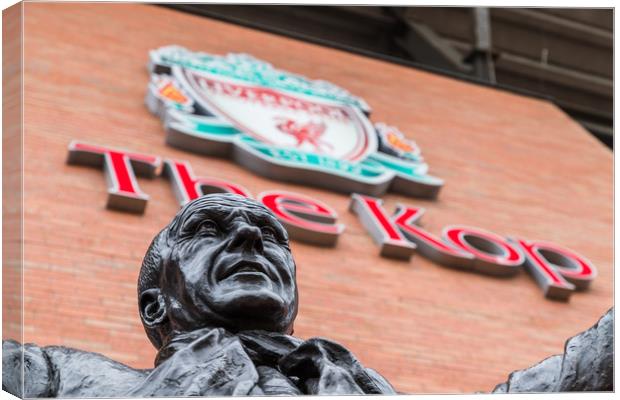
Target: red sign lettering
(120, 169)
(381, 228)
(187, 187)
(493, 254)
(305, 219)
(557, 270)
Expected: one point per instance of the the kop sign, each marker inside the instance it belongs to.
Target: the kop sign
(289, 128)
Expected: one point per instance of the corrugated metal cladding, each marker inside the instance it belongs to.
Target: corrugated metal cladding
(513, 165)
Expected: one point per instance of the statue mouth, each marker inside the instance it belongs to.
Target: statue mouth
(245, 267)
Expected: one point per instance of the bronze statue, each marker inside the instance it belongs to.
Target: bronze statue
(218, 299)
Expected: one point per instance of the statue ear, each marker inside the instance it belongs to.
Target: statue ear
(152, 307)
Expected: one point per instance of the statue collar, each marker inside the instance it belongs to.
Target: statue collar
(263, 348)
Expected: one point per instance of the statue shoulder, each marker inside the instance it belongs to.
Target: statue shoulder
(57, 371)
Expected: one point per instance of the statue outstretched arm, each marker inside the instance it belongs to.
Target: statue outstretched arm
(56, 371)
(26, 371)
(586, 365)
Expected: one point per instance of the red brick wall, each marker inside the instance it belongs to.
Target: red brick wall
(512, 165)
(11, 169)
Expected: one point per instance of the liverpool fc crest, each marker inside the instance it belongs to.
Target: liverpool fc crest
(281, 125)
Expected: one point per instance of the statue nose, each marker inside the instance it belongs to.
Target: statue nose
(247, 238)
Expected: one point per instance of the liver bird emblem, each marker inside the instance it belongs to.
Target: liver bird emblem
(309, 132)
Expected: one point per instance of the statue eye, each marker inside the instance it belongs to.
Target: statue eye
(268, 233)
(207, 227)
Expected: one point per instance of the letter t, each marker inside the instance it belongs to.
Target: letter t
(120, 169)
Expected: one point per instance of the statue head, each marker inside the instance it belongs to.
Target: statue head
(223, 261)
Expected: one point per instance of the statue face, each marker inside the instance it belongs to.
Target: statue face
(230, 266)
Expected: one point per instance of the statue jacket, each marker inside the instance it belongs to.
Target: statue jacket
(207, 362)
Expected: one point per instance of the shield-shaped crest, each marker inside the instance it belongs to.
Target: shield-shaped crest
(283, 119)
(280, 125)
